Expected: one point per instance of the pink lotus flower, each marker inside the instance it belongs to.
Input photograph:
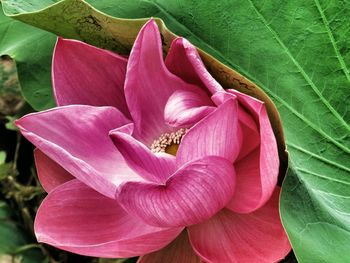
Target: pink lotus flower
(113, 188)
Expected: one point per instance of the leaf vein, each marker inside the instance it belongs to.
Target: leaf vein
(321, 176)
(332, 39)
(316, 156)
(302, 71)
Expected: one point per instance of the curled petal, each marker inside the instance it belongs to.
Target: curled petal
(194, 193)
(217, 134)
(257, 237)
(76, 137)
(50, 173)
(257, 172)
(184, 61)
(180, 250)
(84, 74)
(150, 166)
(149, 84)
(76, 218)
(250, 130)
(185, 108)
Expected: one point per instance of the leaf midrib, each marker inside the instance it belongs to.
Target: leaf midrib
(332, 39)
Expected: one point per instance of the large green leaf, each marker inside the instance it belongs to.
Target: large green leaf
(32, 49)
(296, 51)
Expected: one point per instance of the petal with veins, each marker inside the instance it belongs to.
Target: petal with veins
(192, 194)
(185, 108)
(84, 74)
(76, 218)
(250, 131)
(184, 61)
(180, 250)
(149, 84)
(153, 167)
(50, 173)
(217, 134)
(257, 237)
(76, 137)
(257, 172)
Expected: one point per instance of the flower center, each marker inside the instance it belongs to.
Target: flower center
(168, 142)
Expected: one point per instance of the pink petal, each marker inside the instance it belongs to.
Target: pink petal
(194, 193)
(184, 61)
(229, 237)
(49, 172)
(149, 84)
(84, 74)
(249, 188)
(76, 218)
(217, 134)
(257, 172)
(153, 167)
(178, 251)
(76, 137)
(185, 108)
(250, 131)
(251, 103)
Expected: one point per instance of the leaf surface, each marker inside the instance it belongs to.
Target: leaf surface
(32, 49)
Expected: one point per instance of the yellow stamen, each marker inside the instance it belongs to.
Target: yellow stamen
(168, 142)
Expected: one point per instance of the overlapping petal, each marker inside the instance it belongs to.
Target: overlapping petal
(76, 137)
(192, 194)
(153, 167)
(178, 251)
(257, 172)
(184, 61)
(217, 134)
(78, 219)
(257, 237)
(149, 84)
(50, 173)
(84, 74)
(185, 108)
(248, 126)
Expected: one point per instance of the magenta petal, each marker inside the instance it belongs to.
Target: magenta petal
(249, 189)
(49, 172)
(250, 131)
(152, 167)
(76, 218)
(249, 102)
(149, 84)
(218, 134)
(185, 108)
(84, 74)
(184, 61)
(257, 172)
(178, 251)
(229, 237)
(76, 137)
(194, 193)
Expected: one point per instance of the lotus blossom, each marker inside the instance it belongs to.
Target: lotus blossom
(150, 157)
